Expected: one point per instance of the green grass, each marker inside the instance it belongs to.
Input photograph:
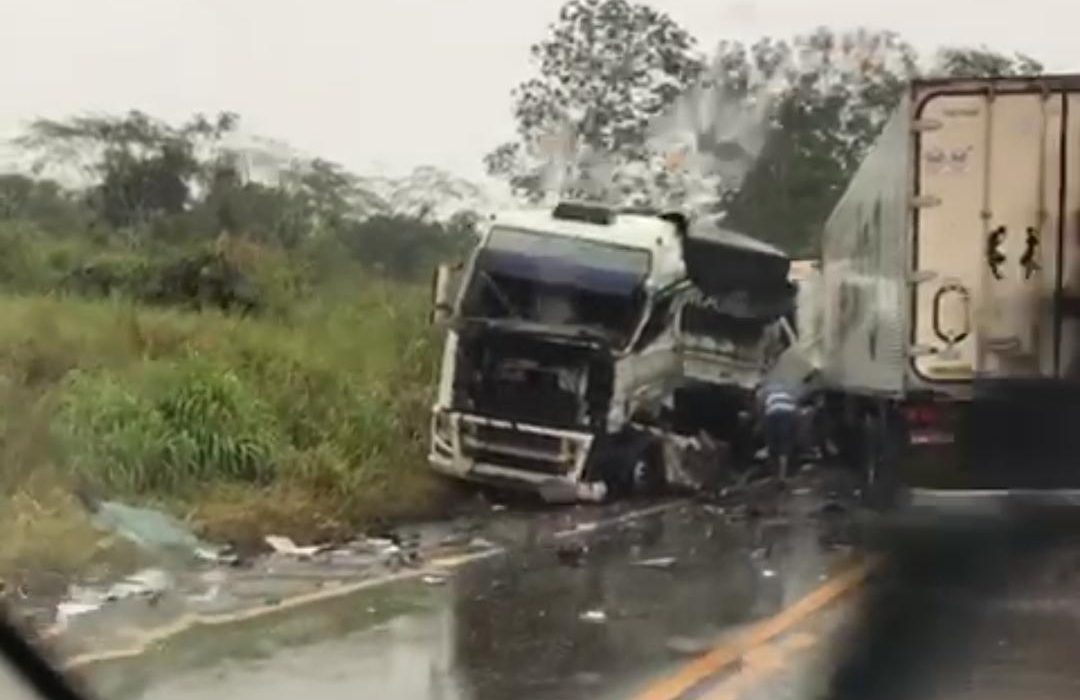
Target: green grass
(308, 423)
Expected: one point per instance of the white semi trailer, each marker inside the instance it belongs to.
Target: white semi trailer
(949, 279)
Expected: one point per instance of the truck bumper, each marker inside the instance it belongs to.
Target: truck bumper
(546, 461)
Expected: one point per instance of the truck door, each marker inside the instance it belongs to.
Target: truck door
(987, 230)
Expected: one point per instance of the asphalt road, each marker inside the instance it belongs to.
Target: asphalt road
(785, 599)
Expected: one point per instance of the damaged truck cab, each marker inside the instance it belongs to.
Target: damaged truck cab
(560, 345)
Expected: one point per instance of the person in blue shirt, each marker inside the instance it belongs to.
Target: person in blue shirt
(779, 411)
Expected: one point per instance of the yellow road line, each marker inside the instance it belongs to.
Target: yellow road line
(725, 654)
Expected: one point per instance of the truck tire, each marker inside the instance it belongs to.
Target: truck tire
(881, 441)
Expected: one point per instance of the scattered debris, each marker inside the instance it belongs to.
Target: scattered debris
(151, 530)
(434, 579)
(656, 563)
(595, 616)
(768, 573)
(498, 507)
(68, 610)
(688, 646)
(801, 491)
(283, 545)
(571, 554)
(148, 582)
(207, 596)
(481, 543)
(760, 553)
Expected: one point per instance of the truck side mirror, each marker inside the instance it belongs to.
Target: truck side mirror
(444, 288)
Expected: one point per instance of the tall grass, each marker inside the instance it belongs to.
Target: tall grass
(308, 423)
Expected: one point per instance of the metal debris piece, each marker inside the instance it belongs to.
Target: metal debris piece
(595, 616)
(66, 611)
(434, 579)
(688, 646)
(656, 563)
(768, 573)
(283, 545)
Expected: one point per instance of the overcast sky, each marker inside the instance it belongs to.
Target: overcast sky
(396, 83)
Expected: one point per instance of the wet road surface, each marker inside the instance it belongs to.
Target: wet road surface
(684, 601)
(574, 607)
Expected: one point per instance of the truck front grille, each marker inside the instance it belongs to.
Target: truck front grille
(519, 449)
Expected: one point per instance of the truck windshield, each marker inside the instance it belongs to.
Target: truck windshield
(557, 281)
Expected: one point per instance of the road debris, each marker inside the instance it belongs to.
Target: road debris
(150, 530)
(571, 554)
(148, 582)
(66, 611)
(594, 616)
(688, 646)
(283, 545)
(768, 573)
(434, 579)
(656, 563)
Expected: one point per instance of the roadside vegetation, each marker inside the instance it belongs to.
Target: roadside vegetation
(253, 358)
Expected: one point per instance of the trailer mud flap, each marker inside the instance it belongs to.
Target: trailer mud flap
(1023, 434)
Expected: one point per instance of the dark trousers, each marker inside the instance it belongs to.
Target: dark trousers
(780, 433)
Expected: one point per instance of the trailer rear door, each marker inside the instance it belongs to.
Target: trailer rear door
(988, 231)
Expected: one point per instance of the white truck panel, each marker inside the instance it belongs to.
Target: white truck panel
(993, 165)
(864, 268)
(947, 258)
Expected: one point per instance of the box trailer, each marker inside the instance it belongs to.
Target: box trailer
(950, 270)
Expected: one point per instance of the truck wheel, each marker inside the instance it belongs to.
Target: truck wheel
(880, 440)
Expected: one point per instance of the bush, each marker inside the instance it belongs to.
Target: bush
(175, 425)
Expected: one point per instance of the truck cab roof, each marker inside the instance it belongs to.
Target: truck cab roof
(659, 236)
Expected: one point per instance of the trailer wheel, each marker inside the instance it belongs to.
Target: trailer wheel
(880, 440)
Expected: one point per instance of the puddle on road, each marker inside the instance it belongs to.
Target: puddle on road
(534, 622)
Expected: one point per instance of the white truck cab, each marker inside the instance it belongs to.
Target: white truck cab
(559, 335)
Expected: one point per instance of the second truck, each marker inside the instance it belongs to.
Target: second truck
(949, 282)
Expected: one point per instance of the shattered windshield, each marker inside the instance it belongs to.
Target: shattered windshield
(567, 284)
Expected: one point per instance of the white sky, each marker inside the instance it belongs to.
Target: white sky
(392, 84)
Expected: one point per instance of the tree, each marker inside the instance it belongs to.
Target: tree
(141, 167)
(405, 247)
(982, 62)
(837, 91)
(43, 202)
(606, 68)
